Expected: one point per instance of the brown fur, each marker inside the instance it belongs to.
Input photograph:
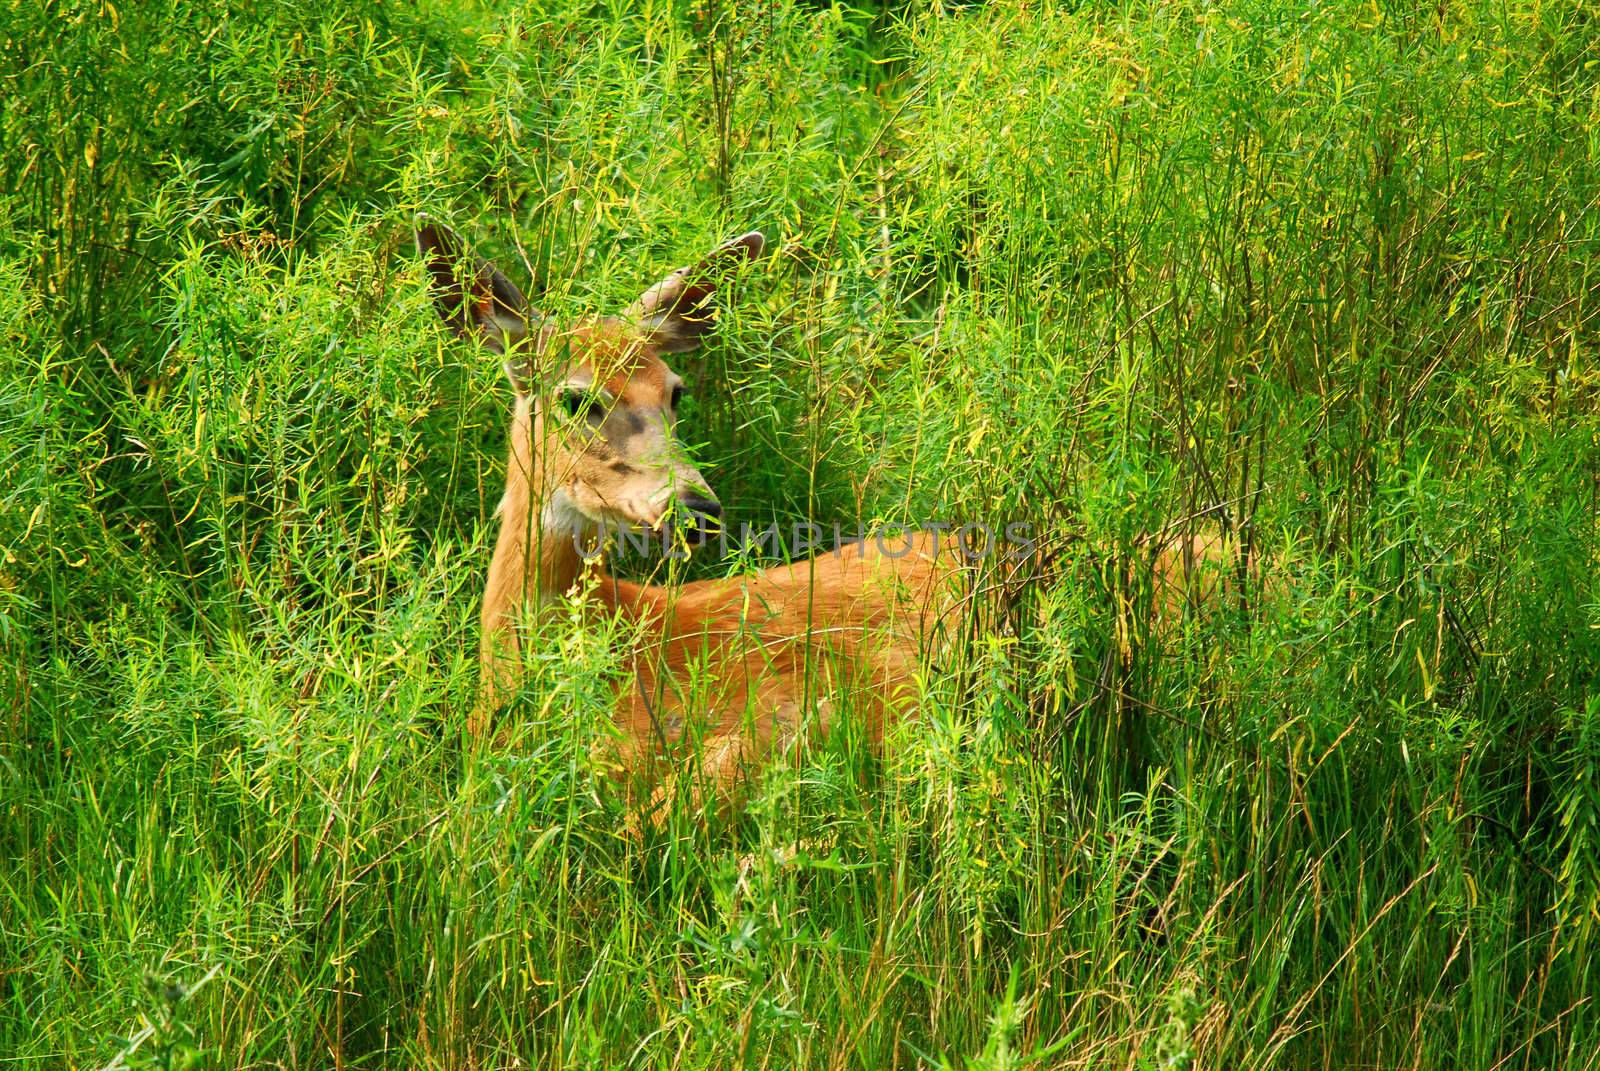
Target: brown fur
(735, 665)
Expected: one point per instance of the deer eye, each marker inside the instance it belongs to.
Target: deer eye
(677, 396)
(580, 403)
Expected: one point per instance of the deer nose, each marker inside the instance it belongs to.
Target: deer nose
(698, 503)
(706, 515)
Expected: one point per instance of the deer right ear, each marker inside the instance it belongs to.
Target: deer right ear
(472, 295)
(676, 312)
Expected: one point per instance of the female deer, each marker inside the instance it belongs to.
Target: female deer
(594, 445)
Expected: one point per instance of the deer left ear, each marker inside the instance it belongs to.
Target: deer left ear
(472, 295)
(676, 312)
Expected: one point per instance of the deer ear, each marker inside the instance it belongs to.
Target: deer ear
(472, 295)
(676, 312)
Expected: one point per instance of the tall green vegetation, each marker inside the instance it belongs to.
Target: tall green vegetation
(1323, 273)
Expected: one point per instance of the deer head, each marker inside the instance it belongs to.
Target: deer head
(595, 429)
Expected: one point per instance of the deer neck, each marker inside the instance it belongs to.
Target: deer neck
(546, 534)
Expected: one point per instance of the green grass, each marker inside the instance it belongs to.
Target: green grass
(1325, 271)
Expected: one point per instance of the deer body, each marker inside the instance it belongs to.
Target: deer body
(734, 666)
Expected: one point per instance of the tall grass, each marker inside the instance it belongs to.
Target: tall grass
(1322, 273)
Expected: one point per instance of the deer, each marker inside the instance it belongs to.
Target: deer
(730, 670)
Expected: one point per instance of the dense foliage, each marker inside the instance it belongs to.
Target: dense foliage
(1323, 272)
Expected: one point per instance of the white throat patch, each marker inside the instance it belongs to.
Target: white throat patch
(561, 518)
